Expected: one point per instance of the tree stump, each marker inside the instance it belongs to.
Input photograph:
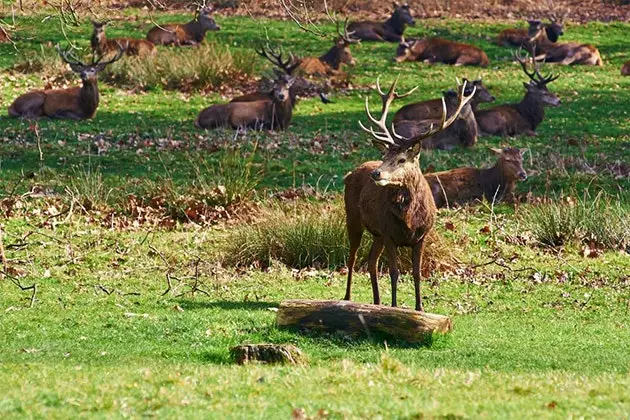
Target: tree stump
(357, 319)
(268, 353)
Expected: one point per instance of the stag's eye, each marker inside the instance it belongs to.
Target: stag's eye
(401, 161)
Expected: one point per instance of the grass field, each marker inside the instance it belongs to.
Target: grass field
(539, 331)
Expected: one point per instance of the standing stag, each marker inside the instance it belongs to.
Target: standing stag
(391, 30)
(75, 103)
(525, 116)
(464, 185)
(438, 50)
(330, 63)
(192, 33)
(391, 198)
(103, 46)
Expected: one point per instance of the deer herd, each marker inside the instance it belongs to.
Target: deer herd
(391, 198)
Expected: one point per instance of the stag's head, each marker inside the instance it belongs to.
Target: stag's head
(282, 86)
(511, 162)
(482, 94)
(400, 154)
(343, 42)
(88, 72)
(206, 20)
(408, 47)
(554, 30)
(402, 13)
(537, 84)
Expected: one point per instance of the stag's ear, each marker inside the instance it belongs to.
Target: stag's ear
(496, 151)
(414, 151)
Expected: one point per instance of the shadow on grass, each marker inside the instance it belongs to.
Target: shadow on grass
(227, 305)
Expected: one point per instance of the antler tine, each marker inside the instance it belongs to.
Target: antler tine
(523, 62)
(68, 56)
(119, 53)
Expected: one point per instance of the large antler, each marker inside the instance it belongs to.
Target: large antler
(344, 34)
(275, 57)
(534, 75)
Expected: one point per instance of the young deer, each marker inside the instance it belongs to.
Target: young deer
(330, 63)
(464, 185)
(525, 116)
(103, 46)
(192, 33)
(75, 103)
(391, 198)
(625, 70)
(391, 30)
(463, 131)
(432, 109)
(438, 50)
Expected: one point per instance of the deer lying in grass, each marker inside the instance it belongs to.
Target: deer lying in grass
(625, 70)
(391, 30)
(330, 63)
(273, 114)
(74, 103)
(191, 34)
(463, 131)
(464, 185)
(103, 46)
(391, 198)
(570, 53)
(540, 34)
(438, 50)
(432, 109)
(525, 116)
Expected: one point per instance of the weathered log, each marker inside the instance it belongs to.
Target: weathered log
(268, 353)
(355, 319)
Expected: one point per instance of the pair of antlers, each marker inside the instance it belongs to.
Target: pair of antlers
(77, 65)
(274, 55)
(388, 137)
(534, 75)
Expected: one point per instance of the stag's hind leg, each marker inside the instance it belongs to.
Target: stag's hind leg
(29, 105)
(375, 253)
(416, 259)
(394, 273)
(355, 232)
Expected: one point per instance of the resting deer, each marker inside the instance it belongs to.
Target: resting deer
(570, 53)
(438, 50)
(391, 198)
(625, 70)
(525, 116)
(540, 34)
(75, 103)
(464, 185)
(192, 33)
(330, 63)
(103, 46)
(391, 30)
(432, 109)
(463, 131)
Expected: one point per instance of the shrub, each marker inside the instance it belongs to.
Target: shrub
(87, 188)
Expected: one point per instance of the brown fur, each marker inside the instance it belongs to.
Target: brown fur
(625, 70)
(391, 30)
(192, 33)
(432, 109)
(438, 50)
(329, 63)
(569, 53)
(274, 114)
(103, 46)
(465, 185)
(542, 35)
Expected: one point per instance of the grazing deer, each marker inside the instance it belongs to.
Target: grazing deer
(538, 33)
(432, 109)
(464, 185)
(391, 30)
(103, 46)
(462, 132)
(273, 114)
(75, 103)
(625, 70)
(525, 116)
(391, 198)
(330, 63)
(438, 50)
(192, 33)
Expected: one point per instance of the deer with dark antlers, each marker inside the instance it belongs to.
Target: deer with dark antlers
(186, 34)
(103, 46)
(391, 198)
(76, 103)
(330, 63)
(525, 116)
(391, 30)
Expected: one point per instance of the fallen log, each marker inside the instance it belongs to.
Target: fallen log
(357, 319)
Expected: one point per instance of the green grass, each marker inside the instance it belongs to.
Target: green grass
(539, 332)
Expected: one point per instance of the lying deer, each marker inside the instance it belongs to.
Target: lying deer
(432, 109)
(103, 46)
(391, 30)
(438, 50)
(463, 131)
(625, 70)
(330, 63)
(538, 33)
(75, 103)
(273, 114)
(391, 198)
(464, 185)
(525, 116)
(570, 53)
(192, 33)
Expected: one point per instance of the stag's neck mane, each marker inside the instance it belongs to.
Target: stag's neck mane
(395, 23)
(531, 109)
(332, 57)
(89, 97)
(281, 113)
(495, 182)
(409, 200)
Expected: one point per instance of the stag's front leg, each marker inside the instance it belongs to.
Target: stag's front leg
(394, 273)
(416, 259)
(375, 253)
